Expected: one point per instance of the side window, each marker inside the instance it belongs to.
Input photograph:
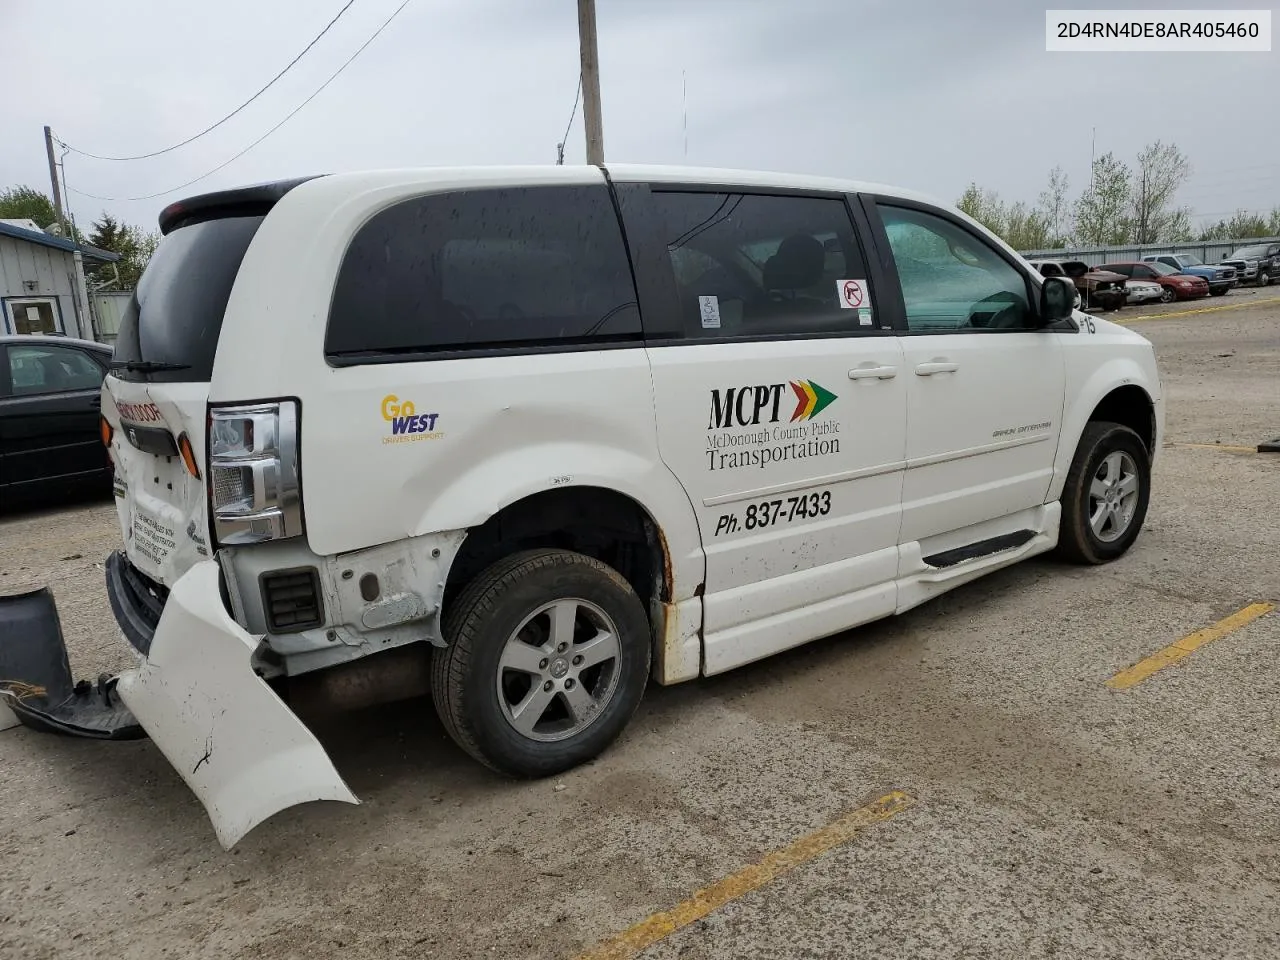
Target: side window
(1127, 270)
(750, 265)
(38, 368)
(1140, 272)
(952, 280)
(521, 268)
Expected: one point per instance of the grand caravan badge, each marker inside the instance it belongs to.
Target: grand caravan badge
(745, 427)
(406, 425)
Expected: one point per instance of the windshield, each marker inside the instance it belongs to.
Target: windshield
(175, 315)
(1244, 253)
(1189, 260)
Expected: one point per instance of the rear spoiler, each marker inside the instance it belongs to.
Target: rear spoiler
(250, 201)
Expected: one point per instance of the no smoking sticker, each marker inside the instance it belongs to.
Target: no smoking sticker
(852, 293)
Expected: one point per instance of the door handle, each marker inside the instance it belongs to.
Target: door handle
(936, 366)
(873, 373)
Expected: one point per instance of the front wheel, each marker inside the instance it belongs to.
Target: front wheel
(1105, 498)
(1219, 293)
(547, 658)
(1264, 278)
(1167, 295)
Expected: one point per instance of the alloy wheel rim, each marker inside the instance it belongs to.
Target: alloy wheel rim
(558, 670)
(1113, 496)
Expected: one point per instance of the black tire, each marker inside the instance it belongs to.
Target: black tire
(1264, 278)
(1219, 293)
(464, 674)
(1077, 541)
(1167, 295)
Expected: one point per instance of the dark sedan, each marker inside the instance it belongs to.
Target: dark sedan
(50, 435)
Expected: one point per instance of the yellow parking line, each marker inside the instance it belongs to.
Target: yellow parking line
(660, 925)
(1187, 646)
(1187, 313)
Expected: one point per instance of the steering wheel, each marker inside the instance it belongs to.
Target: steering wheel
(1009, 318)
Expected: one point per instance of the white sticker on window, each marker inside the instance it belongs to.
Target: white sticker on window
(709, 308)
(852, 293)
(864, 316)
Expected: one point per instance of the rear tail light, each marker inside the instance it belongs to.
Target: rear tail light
(254, 475)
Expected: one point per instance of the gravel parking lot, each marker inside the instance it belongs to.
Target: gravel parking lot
(1025, 807)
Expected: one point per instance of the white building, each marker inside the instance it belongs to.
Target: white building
(42, 287)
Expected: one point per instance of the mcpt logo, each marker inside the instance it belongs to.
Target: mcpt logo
(751, 406)
(407, 425)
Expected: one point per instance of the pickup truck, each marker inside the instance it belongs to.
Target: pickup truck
(1259, 263)
(1220, 278)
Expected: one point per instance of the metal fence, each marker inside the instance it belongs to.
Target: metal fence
(108, 307)
(1210, 251)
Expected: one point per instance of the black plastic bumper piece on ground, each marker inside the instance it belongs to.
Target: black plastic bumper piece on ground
(136, 602)
(35, 676)
(1270, 446)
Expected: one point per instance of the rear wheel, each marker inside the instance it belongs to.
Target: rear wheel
(1105, 498)
(547, 659)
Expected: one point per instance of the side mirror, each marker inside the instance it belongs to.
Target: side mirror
(1057, 295)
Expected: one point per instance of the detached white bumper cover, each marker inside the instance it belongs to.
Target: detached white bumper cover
(239, 748)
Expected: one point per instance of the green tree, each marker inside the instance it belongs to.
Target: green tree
(984, 206)
(134, 245)
(1025, 228)
(1102, 213)
(1055, 208)
(27, 203)
(1243, 225)
(1162, 169)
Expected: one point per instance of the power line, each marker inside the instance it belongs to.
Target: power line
(569, 126)
(288, 67)
(151, 196)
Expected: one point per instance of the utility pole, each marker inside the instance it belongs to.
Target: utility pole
(53, 178)
(590, 82)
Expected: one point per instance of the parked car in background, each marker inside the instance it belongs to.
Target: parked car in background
(1095, 289)
(1142, 291)
(1259, 263)
(1176, 286)
(50, 434)
(1220, 278)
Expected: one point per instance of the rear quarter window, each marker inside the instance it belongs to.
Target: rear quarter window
(516, 269)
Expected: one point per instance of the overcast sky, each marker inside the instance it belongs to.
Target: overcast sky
(927, 94)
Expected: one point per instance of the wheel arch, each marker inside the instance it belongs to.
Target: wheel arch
(614, 527)
(1116, 392)
(1131, 406)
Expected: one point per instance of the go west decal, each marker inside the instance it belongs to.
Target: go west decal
(746, 430)
(406, 425)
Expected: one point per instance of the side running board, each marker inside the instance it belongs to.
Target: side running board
(983, 548)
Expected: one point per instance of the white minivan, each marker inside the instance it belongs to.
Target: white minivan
(557, 431)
